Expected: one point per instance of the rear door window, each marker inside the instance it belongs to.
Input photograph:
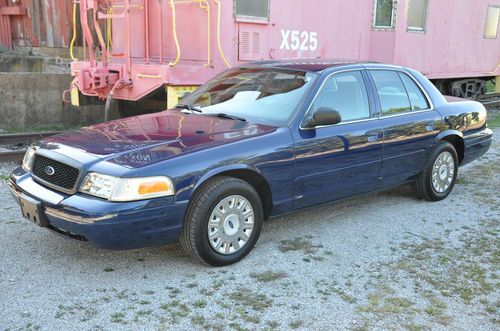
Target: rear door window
(391, 92)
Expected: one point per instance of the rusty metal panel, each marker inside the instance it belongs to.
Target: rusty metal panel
(45, 23)
(5, 34)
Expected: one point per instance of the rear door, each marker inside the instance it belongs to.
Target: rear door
(339, 160)
(408, 121)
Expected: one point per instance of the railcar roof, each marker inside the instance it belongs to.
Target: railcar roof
(315, 65)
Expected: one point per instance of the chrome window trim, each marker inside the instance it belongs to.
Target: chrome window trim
(424, 92)
(321, 88)
(408, 113)
(426, 95)
(342, 123)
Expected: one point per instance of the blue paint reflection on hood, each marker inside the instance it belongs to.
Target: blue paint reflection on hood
(143, 140)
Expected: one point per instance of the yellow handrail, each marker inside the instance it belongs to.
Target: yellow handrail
(109, 41)
(72, 44)
(209, 16)
(148, 76)
(174, 28)
(221, 52)
(204, 5)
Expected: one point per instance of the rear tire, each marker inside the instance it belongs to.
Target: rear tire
(439, 173)
(223, 221)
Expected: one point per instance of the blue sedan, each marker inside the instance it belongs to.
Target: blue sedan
(253, 143)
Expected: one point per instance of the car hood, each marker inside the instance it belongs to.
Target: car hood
(142, 140)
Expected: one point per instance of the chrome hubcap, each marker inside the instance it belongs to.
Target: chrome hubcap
(231, 224)
(443, 172)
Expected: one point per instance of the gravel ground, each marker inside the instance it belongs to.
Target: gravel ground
(386, 261)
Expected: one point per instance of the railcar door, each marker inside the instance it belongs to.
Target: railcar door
(408, 121)
(340, 160)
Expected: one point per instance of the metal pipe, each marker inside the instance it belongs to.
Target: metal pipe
(86, 31)
(72, 43)
(161, 31)
(219, 44)
(100, 38)
(146, 23)
(176, 40)
(129, 50)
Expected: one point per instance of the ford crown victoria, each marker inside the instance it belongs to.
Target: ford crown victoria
(255, 142)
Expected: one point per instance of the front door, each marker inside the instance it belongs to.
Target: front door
(340, 160)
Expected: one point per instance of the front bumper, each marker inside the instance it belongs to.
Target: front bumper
(104, 224)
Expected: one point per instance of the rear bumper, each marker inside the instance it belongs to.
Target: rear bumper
(104, 224)
(476, 145)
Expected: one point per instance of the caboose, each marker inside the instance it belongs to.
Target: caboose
(160, 49)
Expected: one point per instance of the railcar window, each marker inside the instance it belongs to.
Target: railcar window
(417, 98)
(252, 8)
(384, 14)
(391, 92)
(417, 14)
(492, 20)
(346, 93)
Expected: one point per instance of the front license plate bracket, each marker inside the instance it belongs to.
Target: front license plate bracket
(32, 210)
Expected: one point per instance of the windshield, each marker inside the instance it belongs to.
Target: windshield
(260, 95)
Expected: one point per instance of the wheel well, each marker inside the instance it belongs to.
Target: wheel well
(458, 143)
(258, 182)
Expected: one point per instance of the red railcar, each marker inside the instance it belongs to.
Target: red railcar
(136, 47)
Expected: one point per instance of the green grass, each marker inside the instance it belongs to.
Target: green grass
(298, 244)
(380, 304)
(296, 324)
(118, 318)
(494, 120)
(246, 298)
(268, 276)
(200, 304)
(490, 85)
(41, 128)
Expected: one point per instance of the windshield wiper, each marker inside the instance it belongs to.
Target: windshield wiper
(192, 109)
(224, 115)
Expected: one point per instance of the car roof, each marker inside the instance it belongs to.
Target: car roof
(315, 65)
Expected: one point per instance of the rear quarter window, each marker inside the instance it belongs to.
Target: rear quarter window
(417, 99)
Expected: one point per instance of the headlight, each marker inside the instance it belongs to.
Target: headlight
(126, 189)
(28, 159)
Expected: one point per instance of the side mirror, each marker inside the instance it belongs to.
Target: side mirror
(323, 116)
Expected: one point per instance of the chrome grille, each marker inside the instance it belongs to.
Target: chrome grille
(63, 178)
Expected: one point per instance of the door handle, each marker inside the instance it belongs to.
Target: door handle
(373, 135)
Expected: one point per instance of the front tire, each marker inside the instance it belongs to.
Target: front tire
(223, 221)
(439, 173)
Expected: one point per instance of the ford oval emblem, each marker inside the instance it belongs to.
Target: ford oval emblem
(49, 170)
